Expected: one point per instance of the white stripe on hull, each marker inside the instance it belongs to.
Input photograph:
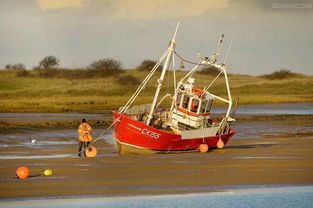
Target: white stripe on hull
(131, 145)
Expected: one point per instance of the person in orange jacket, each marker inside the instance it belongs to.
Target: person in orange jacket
(84, 133)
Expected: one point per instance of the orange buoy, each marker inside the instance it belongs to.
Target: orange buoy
(220, 144)
(203, 148)
(22, 172)
(91, 151)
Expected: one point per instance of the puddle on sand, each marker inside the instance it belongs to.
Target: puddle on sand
(27, 134)
(22, 142)
(28, 157)
(263, 143)
(55, 140)
(48, 137)
(12, 157)
(268, 157)
(41, 144)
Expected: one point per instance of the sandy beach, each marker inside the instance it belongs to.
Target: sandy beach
(243, 162)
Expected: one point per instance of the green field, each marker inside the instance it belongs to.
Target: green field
(34, 94)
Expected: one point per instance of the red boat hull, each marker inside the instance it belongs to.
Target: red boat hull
(133, 136)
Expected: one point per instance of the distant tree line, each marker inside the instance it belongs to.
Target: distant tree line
(48, 67)
(281, 74)
(17, 66)
(52, 62)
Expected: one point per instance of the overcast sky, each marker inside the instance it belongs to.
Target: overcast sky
(268, 34)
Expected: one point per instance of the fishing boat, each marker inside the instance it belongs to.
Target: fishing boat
(184, 125)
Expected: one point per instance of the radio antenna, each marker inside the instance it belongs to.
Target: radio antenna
(228, 51)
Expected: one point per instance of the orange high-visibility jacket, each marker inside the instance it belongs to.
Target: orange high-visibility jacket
(84, 131)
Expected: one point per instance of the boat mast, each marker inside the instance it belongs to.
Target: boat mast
(230, 103)
(165, 68)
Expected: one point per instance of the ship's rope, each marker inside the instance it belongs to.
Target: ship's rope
(185, 60)
(105, 131)
(206, 89)
(174, 74)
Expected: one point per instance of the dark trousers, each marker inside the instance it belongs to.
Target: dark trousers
(82, 145)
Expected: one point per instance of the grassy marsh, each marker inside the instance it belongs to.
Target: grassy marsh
(35, 94)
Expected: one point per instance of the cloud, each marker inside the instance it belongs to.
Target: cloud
(138, 9)
(81, 31)
(58, 4)
(151, 9)
(164, 8)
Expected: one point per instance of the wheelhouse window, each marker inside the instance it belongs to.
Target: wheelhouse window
(194, 105)
(210, 106)
(206, 106)
(178, 99)
(185, 101)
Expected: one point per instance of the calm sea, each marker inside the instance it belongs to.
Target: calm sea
(293, 197)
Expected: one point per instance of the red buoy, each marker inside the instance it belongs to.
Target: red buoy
(22, 172)
(203, 148)
(91, 151)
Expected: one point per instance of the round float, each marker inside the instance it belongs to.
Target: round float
(22, 172)
(91, 151)
(47, 172)
(203, 148)
(220, 144)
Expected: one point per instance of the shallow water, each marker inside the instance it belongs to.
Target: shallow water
(45, 133)
(30, 157)
(260, 129)
(56, 138)
(49, 144)
(53, 116)
(22, 137)
(293, 196)
(271, 109)
(14, 157)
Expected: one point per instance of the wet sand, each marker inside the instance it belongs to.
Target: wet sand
(243, 162)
